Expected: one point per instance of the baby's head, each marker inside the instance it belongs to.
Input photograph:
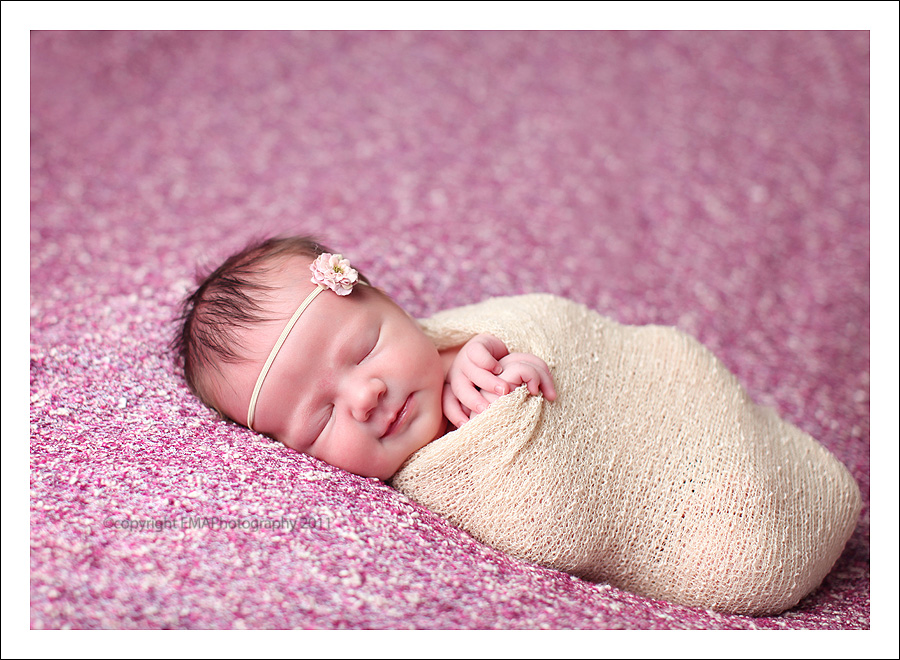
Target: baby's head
(355, 382)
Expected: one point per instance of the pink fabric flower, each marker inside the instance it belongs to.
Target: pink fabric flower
(334, 272)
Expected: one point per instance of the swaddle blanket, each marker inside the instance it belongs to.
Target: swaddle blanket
(652, 470)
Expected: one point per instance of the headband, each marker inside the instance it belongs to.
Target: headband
(330, 271)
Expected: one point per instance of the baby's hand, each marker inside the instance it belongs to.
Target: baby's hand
(526, 369)
(473, 371)
(484, 370)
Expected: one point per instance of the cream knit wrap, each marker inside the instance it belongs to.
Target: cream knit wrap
(652, 471)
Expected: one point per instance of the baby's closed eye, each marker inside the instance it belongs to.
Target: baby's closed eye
(319, 426)
(369, 348)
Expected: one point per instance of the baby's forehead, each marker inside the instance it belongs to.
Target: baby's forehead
(285, 288)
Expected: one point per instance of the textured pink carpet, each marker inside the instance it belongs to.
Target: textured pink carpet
(713, 181)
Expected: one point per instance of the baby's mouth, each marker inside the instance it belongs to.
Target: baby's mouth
(398, 419)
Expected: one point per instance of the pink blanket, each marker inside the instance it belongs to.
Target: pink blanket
(713, 181)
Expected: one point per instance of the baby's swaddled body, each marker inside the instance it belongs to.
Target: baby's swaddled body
(652, 471)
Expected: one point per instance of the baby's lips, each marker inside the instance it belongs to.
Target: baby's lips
(393, 418)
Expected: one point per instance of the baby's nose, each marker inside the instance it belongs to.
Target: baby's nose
(365, 397)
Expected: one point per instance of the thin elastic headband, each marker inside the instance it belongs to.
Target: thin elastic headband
(330, 271)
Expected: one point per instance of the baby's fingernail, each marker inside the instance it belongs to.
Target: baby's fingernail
(498, 370)
(481, 407)
(500, 390)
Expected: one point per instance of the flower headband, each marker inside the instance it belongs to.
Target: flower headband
(330, 271)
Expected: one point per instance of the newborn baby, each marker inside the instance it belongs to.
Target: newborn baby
(651, 469)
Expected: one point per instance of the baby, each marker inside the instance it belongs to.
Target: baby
(640, 461)
(347, 377)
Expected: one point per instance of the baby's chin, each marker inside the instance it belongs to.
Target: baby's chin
(384, 470)
(387, 473)
(389, 468)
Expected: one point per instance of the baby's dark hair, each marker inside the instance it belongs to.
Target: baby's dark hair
(224, 304)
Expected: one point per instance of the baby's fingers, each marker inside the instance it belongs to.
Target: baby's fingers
(468, 394)
(531, 378)
(486, 382)
(454, 411)
(545, 382)
(547, 386)
(532, 372)
(484, 351)
(482, 373)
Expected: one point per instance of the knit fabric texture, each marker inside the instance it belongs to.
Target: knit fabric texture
(653, 470)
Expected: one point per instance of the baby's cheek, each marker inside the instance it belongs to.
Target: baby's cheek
(290, 445)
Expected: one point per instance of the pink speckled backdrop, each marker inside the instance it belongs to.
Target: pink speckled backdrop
(714, 181)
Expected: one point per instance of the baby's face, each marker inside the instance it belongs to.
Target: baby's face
(356, 384)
